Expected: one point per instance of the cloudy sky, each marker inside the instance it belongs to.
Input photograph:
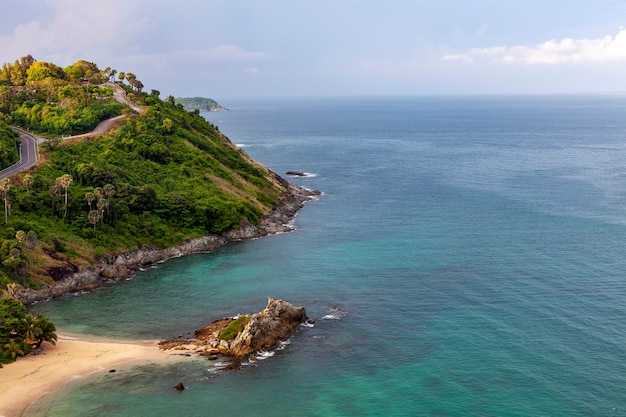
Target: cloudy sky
(273, 48)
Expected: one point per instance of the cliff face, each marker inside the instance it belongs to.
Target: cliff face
(124, 265)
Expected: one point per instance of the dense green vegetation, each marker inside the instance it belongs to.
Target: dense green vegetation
(20, 331)
(161, 177)
(199, 103)
(156, 179)
(234, 328)
(47, 99)
(9, 146)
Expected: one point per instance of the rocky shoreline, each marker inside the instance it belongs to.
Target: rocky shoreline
(124, 265)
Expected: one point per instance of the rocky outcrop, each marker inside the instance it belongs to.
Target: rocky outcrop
(124, 265)
(264, 331)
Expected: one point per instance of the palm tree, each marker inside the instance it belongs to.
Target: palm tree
(130, 77)
(5, 187)
(30, 330)
(14, 349)
(27, 182)
(11, 291)
(48, 330)
(94, 217)
(90, 197)
(102, 204)
(20, 235)
(64, 181)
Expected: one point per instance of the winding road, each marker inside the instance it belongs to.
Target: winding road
(29, 154)
(29, 147)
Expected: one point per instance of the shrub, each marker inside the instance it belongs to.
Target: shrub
(234, 328)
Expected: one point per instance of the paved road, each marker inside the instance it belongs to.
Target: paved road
(28, 154)
(120, 95)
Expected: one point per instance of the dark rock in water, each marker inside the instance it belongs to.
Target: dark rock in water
(111, 371)
(179, 386)
(296, 174)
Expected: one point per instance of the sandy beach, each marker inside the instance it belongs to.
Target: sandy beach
(31, 378)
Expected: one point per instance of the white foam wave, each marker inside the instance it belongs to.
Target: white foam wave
(335, 313)
(303, 175)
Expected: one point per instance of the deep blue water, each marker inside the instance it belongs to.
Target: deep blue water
(475, 244)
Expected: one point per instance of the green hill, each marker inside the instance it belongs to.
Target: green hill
(199, 103)
(158, 178)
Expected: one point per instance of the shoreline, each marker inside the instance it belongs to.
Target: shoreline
(124, 265)
(34, 377)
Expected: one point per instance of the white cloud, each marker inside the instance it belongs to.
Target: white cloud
(74, 31)
(606, 49)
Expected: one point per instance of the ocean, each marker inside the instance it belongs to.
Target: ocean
(466, 258)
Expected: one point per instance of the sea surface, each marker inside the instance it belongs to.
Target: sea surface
(467, 258)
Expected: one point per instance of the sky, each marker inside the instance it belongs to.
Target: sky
(227, 49)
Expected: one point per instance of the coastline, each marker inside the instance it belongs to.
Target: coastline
(124, 265)
(34, 377)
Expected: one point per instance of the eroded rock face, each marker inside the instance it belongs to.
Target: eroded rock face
(264, 331)
(267, 328)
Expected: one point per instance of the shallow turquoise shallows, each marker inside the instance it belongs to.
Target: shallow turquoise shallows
(475, 245)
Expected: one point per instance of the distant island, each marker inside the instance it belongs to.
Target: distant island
(200, 103)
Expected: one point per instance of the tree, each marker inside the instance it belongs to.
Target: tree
(130, 77)
(102, 204)
(138, 85)
(29, 330)
(27, 182)
(90, 197)
(112, 75)
(64, 181)
(31, 239)
(39, 71)
(121, 76)
(168, 126)
(48, 330)
(14, 349)
(20, 236)
(5, 187)
(94, 217)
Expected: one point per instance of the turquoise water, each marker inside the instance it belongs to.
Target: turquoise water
(476, 246)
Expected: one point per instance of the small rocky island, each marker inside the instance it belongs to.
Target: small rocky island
(242, 337)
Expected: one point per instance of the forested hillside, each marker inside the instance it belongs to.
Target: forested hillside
(200, 103)
(158, 178)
